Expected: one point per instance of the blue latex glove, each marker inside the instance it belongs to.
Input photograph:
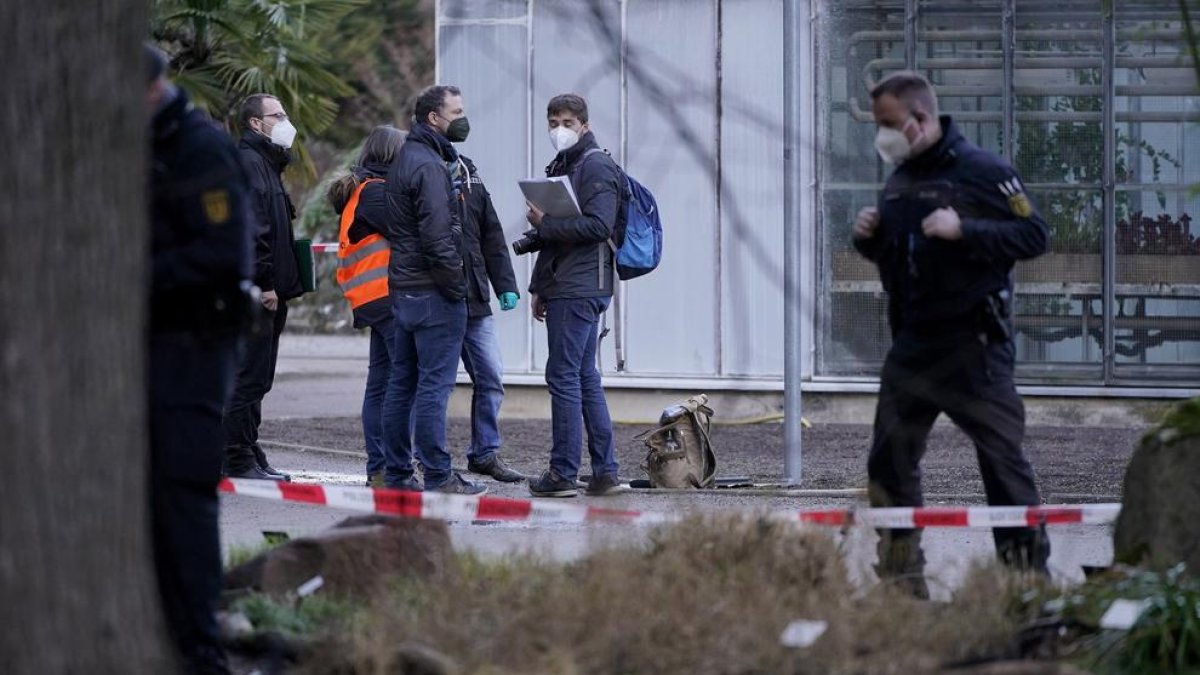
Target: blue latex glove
(508, 301)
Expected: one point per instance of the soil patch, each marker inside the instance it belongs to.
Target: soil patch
(1070, 461)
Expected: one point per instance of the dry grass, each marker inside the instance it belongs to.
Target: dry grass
(706, 596)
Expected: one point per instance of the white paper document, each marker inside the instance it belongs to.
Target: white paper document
(553, 196)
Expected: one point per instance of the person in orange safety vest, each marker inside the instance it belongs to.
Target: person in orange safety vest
(362, 274)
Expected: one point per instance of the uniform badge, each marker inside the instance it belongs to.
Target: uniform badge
(216, 206)
(1017, 201)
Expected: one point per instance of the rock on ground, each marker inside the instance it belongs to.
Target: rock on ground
(1159, 525)
(353, 558)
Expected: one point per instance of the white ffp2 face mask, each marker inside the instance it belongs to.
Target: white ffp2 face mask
(562, 138)
(283, 134)
(892, 145)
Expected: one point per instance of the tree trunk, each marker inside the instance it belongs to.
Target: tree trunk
(77, 585)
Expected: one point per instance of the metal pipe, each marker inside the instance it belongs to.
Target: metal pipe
(1008, 89)
(910, 34)
(1063, 90)
(793, 352)
(977, 35)
(619, 318)
(1108, 173)
(719, 194)
(860, 115)
(1024, 63)
(530, 323)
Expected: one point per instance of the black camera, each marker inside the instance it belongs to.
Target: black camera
(530, 242)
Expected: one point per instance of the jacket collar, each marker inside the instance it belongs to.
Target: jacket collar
(371, 170)
(422, 133)
(167, 119)
(942, 151)
(276, 156)
(567, 159)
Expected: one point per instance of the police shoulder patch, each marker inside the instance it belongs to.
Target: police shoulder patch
(1017, 201)
(216, 206)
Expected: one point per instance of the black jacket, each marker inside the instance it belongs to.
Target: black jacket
(485, 252)
(370, 218)
(425, 216)
(201, 229)
(933, 283)
(276, 268)
(575, 260)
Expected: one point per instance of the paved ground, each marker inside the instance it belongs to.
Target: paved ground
(317, 394)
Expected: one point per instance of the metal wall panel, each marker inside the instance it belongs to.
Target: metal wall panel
(576, 49)
(672, 134)
(489, 63)
(752, 224)
(481, 9)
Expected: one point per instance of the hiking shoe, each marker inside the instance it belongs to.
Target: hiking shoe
(457, 485)
(254, 472)
(550, 484)
(606, 486)
(410, 484)
(581, 482)
(376, 479)
(275, 473)
(496, 468)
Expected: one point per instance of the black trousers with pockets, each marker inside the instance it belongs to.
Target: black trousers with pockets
(972, 383)
(255, 376)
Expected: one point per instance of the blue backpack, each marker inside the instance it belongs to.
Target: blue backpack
(638, 244)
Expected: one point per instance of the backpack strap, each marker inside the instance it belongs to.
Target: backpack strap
(618, 308)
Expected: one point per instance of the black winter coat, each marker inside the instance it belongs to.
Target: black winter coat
(425, 216)
(276, 268)
(575, 260)
(485, 252)
(935, 285)
(201, 228)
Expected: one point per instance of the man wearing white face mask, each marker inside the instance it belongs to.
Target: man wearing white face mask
(952, 220)
(267, 135)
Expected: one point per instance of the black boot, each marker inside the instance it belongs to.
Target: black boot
(240, 462)
(902, 562)
(260, 458)
(1024, 549)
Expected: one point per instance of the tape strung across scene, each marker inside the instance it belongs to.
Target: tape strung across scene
(435, 505)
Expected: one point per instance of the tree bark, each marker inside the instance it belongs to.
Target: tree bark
(77, 585)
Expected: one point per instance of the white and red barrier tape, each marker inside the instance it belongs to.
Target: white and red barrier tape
(436, 505)
(325, 247)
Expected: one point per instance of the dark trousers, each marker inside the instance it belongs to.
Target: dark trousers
(577, 401)
(190, 380)
(379, 371)
(426, 346)
(255, 375)
(973, 384)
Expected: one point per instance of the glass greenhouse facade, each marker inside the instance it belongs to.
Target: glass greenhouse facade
(1098, 111)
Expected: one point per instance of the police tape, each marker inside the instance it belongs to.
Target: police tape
(483, 508)
(325, 248)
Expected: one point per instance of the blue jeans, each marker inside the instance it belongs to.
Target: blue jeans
(481, 358)
(379, 369)
(576, 394)
(425, 350)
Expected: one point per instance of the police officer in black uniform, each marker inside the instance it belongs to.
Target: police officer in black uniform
(950, 223)
(201, 264)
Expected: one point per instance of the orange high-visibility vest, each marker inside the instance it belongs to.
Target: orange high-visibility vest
(362, 267)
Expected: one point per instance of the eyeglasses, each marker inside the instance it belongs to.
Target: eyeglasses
(280, 116)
